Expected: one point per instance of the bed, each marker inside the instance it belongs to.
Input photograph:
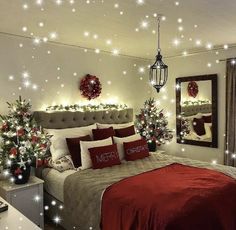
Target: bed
(115, 197)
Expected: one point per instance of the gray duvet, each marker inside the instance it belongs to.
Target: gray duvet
(83, 190)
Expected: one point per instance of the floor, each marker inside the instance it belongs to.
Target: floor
(48, 225)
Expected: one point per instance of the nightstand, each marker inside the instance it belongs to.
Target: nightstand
(13, 219)
(27, 198)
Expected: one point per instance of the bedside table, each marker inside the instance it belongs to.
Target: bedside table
(13, 219)
(27, 198)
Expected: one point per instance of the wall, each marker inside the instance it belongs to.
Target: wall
(61, 86)
(190, 66)
(55, 71)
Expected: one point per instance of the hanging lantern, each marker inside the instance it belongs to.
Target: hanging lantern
(159, 70)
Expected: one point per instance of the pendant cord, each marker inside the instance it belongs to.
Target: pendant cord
(158, 29)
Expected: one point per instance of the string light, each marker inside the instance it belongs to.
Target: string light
(24, 28)
(25, 6)
(141, 69)
(197, 102)
(108, 42)
(233, 62)
(198, 42)
(89, 107)
(144, 24)
(53, 35)
(180, 20)
(180, 28)
(97, 51)
(115, 52)
(57, 219)
(226, 46)
(209, 46)
(39, 2)
(140, 2)
(176, 42)
(214, 162)
(36, 41)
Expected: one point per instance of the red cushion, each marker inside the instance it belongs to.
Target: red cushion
(136, 150)
(207, 119)
(101, 134)
(125, 132)
(74, 148)
(198, 126)
(104, 156)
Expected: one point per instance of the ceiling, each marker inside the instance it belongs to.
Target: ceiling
(209, 21)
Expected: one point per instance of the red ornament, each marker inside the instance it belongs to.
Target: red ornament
(43, 146)
(13, 151)
(192, 89)
(90, 87)
(35, 139)
(20, 132)
(4, 127)
(17, 171)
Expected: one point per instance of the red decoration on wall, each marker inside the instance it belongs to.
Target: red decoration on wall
(90, 87)
(192, 89)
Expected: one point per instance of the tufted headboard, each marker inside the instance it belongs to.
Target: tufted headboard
(195, 109)
(67, 119)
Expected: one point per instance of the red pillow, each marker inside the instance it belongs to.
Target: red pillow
(135, 150)
(198, 126)
(207, 119)
(101, 134)
(125, 132)
(104, 156)
(73, 145)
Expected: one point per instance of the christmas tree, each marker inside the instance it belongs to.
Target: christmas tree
(152, 124)
(22, 140)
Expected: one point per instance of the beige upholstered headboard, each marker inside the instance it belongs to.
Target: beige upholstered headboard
(67, 119)
(195, 109)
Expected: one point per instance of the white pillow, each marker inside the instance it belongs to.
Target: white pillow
(120, 140)
(85, 155)
(58, 146)
(114, 126)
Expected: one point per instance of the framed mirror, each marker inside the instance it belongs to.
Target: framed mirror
(196, 110)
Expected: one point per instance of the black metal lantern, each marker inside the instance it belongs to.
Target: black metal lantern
(159, 70)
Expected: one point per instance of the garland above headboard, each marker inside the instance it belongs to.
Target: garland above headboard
(68, 119)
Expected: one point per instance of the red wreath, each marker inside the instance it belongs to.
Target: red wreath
(90, 87)
(192, 89)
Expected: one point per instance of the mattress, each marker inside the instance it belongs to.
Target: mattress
(54, 182)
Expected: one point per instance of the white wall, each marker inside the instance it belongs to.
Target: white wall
(190, 66)
(43, 71)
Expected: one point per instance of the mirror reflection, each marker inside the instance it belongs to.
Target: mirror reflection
(195, 111)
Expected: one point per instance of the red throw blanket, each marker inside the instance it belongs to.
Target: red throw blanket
(175, 197)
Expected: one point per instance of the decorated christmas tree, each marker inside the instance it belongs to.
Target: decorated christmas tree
(152, 125)
(22, 140)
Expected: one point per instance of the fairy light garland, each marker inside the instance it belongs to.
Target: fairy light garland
(198, 102)
(84, 108)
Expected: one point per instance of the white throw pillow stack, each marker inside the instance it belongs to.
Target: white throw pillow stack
(120, 143)
(59, 147)
(85, 155)
(58, 141)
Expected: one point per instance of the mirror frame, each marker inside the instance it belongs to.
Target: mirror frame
(213, 79)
